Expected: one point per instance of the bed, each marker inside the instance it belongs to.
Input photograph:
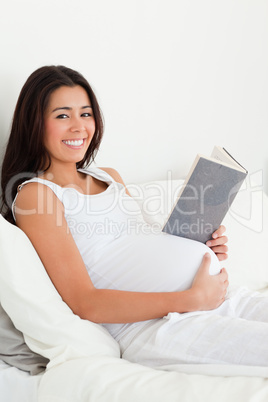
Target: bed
(84, 362)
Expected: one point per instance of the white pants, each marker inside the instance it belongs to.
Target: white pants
(234, 333)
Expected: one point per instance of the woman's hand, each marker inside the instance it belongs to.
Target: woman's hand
(218, 243)
(209, 290)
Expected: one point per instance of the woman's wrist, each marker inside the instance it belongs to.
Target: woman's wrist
(188, 301)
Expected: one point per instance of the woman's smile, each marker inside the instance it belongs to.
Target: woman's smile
(74, 144)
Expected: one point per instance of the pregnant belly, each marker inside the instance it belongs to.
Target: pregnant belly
(150, 263)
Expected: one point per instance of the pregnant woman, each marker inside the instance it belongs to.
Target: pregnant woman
(162, 297)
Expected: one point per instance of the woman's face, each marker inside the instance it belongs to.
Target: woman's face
(69, 124)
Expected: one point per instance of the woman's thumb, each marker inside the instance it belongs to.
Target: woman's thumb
(206, 261)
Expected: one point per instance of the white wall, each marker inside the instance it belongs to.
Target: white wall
(173, 78)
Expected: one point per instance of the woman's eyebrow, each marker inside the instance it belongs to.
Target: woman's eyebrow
(69, 108)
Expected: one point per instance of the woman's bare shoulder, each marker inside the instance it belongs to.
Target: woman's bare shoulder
(115, 175)
(35, 197)
(112, 172)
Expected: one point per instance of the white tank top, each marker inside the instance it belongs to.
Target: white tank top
(119, 249)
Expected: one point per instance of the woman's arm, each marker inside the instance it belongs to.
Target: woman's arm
(48, 231)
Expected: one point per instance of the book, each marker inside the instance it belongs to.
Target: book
(206, 195)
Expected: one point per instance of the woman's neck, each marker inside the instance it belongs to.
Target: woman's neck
(66, 175)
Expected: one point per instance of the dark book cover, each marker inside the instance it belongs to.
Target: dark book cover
(204, 201)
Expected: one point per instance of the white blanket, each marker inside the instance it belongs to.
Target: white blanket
(115, 380)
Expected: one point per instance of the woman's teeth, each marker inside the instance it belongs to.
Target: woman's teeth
(74, 143)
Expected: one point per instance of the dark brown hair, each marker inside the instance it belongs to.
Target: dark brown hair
(26, 154)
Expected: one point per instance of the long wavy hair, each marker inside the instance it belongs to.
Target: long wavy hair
(26, 154)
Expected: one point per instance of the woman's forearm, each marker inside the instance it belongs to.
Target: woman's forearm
(115, 306)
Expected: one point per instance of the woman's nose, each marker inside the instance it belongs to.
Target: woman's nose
(77, 125)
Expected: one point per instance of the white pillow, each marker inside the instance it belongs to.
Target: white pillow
(36, 309)
(246, 224)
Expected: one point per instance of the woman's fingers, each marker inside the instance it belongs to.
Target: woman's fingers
(219, 232)
(217, 242)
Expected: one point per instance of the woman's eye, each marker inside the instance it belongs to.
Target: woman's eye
(62, 116)
(86, 115)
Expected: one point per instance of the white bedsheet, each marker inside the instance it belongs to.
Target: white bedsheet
(17, 385)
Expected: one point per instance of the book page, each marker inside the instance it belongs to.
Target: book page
(222, 155)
